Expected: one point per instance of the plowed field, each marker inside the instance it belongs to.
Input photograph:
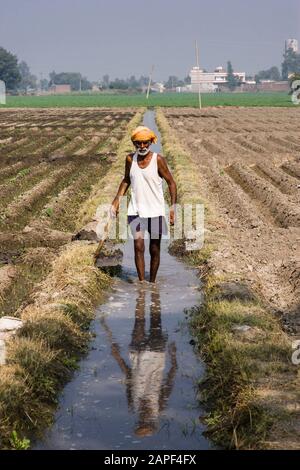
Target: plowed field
(49, 161)
(249, 166)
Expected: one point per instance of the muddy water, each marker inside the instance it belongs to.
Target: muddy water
(137, 387)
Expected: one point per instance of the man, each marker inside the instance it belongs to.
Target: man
(144, 171)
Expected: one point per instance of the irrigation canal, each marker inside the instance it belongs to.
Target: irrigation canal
(137, 387)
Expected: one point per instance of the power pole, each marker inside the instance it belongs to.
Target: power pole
(197, 60)
(149, 84)
(41, 78)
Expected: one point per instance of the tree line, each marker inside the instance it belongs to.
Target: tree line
(290, 70)
(17, 76)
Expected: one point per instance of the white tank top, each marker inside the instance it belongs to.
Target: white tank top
(147, 197)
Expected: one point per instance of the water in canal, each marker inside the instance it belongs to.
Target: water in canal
(137, 387)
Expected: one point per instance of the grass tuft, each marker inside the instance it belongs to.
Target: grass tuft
(40, 367)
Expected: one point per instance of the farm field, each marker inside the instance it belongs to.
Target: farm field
(55, 167)
(155, 99)
(49, 162)
(249, 165)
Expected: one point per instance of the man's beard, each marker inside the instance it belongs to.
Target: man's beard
(143, 152)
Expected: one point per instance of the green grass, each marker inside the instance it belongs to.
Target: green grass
(20, 174)
(164, 99)
(17, 443)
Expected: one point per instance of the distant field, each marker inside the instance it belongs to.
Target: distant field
(165, 99)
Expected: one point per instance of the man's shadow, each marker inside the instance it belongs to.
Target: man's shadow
(147, 387)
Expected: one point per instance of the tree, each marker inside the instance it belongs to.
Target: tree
(105, 81)
(274, 73)
(44, 84)
(269, 74)
(9, 71)
(118, 84)
(172, 82)
(133, 82)
(74, 79)
(232, 80)
(27, 79)
(290, 64)
(85, 84)
(52, 76)
(143, 81)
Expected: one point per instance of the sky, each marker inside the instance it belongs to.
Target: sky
(124, 38)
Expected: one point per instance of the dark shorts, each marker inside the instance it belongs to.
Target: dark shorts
(155, 226)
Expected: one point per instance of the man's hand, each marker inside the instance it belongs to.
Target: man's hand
(172, 216)
(113, 211)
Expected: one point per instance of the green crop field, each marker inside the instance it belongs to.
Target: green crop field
(164, 99)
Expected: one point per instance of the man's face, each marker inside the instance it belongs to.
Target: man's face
(142, 146)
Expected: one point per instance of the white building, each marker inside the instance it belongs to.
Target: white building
(183, 89)
(209, 81)
(157, 87)
(291, 44)
(95, 88)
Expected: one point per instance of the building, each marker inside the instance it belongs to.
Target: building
(183, 89)
(60, 89)
(95, 88)
(291, 44)
(211, 81)
(157, 87)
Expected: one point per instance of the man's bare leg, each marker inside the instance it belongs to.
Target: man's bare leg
(154, 249)
(139, 250)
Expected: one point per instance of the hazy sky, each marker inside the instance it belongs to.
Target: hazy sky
(124, 38)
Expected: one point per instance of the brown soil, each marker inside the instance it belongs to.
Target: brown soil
(249, 165)
(7, 275)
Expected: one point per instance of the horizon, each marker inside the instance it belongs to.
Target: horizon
(69, 35)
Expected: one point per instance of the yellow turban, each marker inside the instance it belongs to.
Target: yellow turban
(143, 133)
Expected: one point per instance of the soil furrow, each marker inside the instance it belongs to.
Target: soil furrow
(292, 169)
(283, 212)
(286, 184)
(21, 182)
(18, 212)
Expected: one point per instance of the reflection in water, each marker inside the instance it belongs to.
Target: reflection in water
(146, 387)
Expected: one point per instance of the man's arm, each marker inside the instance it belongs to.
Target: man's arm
(165, 173)
(125, 183)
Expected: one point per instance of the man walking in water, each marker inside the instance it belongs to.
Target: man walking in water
(145, 170)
